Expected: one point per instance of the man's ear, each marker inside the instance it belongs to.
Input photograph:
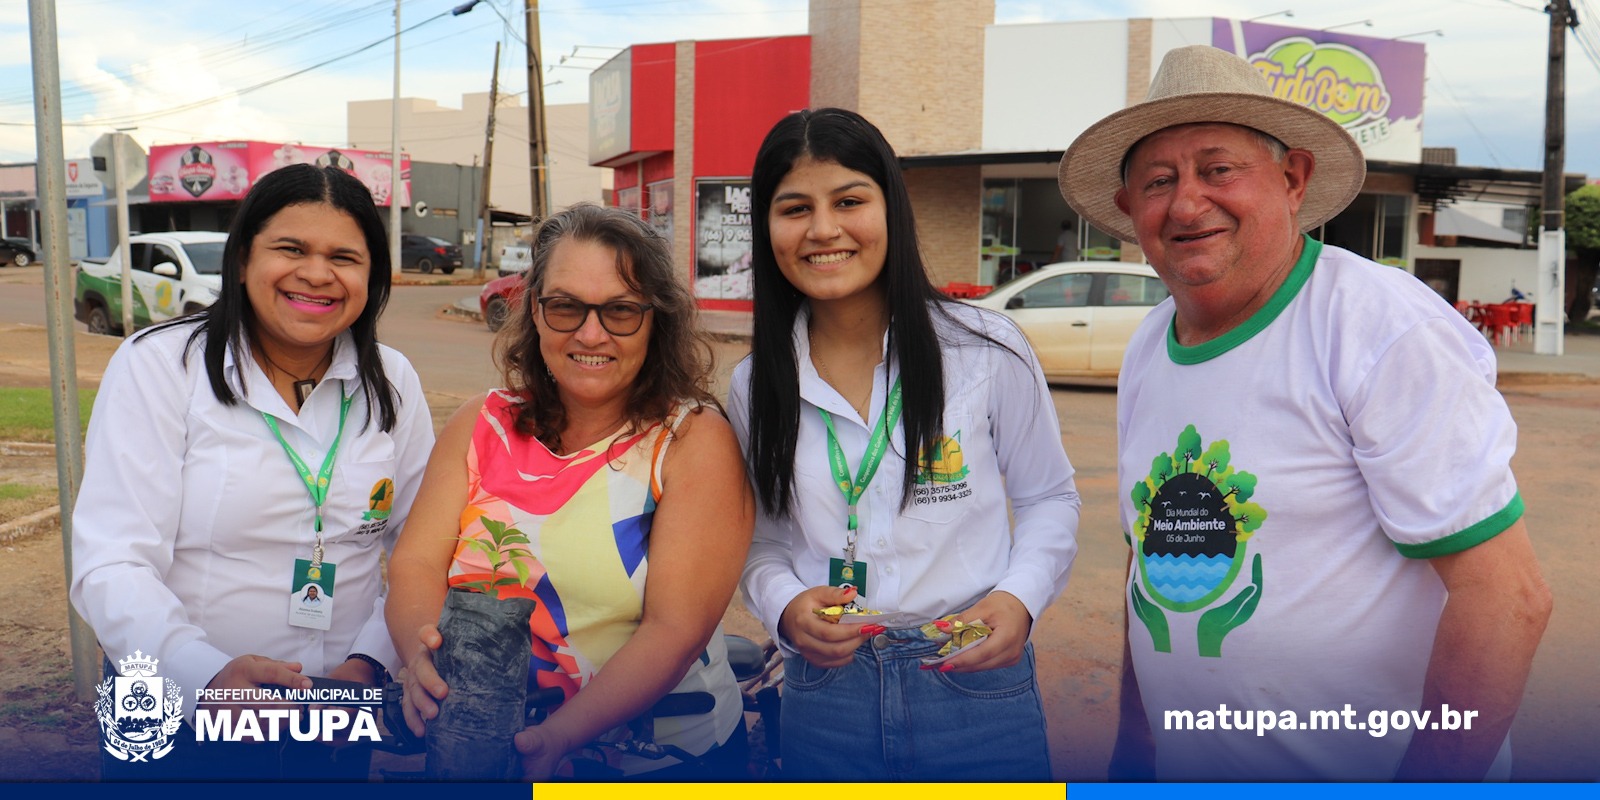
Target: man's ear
(1121, 199)
(1298, 166)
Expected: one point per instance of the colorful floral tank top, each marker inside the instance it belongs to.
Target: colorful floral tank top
(587, 516)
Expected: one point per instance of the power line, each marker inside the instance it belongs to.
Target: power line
(1493, 153)
(126, 119)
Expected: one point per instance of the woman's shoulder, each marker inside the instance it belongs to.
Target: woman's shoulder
(170, 350)
(395, 364)
(959, 324)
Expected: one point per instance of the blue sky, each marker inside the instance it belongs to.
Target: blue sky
(162, 65)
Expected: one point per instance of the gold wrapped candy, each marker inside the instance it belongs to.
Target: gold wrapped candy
(834, 613)
(957, 633)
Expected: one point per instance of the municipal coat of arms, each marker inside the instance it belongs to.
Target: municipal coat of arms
(139, 712)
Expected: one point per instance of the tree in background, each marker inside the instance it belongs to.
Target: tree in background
(1583, 248)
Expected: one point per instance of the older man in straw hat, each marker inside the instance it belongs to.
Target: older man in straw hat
(1328, 546)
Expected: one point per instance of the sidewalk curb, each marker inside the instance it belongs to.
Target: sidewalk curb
(37, 522)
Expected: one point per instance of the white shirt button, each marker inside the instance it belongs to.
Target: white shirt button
(882, 542)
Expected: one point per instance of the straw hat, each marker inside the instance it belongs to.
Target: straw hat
(1201, 83)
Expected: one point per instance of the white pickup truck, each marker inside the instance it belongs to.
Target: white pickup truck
(174, 273)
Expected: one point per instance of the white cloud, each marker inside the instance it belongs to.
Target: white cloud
(121, 58)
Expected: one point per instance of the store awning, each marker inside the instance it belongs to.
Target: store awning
(1442, 184)
(1457, 223)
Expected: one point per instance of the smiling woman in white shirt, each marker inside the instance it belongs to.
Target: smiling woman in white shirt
(245, 457)
(858, 361)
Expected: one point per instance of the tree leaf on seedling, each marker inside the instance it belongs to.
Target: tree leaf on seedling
(489, 550)
(523, 573)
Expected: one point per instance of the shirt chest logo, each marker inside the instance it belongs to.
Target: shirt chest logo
(1195, 523)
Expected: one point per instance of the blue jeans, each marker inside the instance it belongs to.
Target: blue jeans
(880, 718)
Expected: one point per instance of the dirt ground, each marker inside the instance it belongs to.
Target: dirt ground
(46, 734)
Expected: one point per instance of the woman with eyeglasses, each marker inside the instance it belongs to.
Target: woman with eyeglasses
(606, 449)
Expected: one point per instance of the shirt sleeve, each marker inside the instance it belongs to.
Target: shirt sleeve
(125, 521)
(1434, 440)
(1038, 475)
(769, 582)
(413, 437)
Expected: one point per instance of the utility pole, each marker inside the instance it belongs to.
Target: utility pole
(536, 133)
(123, 249)
(1550, 297)
(484, 224)
(52, 193)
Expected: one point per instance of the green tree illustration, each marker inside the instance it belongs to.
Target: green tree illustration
(1141, 495)
(1238, 487)
(1188, 446)
(1249, 516)
(1161, 467)
(1216, 459)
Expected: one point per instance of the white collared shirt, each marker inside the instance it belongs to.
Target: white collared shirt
(954, 544)
(191, 516)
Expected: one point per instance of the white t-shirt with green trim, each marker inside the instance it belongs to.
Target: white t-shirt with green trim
(1282, 488)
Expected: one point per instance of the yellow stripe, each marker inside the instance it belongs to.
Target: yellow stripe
(789, 791)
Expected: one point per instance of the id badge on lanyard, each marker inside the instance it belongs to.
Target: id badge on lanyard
(311, 589)
(849, 571)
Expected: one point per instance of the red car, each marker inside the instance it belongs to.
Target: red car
(498, 298)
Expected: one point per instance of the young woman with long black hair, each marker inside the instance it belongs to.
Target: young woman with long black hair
(887, 429)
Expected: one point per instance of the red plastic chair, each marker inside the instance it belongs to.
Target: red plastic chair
(1523, 318)
(1496, 322)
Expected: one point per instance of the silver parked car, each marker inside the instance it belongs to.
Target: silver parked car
(1079, 315)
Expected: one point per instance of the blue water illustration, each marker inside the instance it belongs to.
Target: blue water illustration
(1185, 578)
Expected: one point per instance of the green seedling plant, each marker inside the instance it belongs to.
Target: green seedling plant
(506, 545)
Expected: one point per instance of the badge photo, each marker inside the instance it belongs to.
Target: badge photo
(311, 595)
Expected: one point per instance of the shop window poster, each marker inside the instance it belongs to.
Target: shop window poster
(659, 214)
(722, 240)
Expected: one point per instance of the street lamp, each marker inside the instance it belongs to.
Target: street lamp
(1285, 12)
(1366, 22)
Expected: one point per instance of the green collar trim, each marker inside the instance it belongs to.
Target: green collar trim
(1256, 323)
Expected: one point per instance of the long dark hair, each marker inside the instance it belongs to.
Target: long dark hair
(231, 321)
(848, 139)
(677, 363)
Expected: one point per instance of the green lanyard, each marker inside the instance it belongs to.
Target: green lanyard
(876, 447)
(317, 484)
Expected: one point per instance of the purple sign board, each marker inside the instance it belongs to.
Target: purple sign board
(1373, 87)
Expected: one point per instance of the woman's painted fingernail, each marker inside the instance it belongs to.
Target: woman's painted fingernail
(946, 667)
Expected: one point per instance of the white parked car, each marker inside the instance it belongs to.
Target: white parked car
(1079, 315)
(515, 259)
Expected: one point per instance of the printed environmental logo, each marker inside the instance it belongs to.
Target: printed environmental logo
(381, 500)
(942, 473)
(947, 464)
(1195, 523)
(139, 712)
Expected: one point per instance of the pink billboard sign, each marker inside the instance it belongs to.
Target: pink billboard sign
(223, 171)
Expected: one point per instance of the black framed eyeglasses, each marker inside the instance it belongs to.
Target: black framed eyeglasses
(618, 317)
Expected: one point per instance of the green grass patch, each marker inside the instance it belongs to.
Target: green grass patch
(16, 491)
(27, 415)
